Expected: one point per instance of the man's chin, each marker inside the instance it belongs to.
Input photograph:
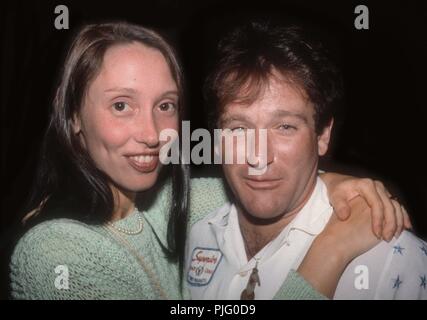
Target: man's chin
(264, 213)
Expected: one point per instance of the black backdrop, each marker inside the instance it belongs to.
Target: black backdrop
(384, 133)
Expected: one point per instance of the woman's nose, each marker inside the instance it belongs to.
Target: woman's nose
(146, 130)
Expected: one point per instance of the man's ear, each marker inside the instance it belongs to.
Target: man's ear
(324, 138)
(76, 124)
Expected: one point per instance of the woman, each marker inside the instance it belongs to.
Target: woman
(125, 233)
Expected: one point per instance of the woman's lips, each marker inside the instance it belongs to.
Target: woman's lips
(144, 163)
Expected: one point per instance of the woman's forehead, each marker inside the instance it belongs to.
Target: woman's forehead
(135, 67)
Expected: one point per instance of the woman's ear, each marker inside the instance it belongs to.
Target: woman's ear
(76, 124)
(324, 138)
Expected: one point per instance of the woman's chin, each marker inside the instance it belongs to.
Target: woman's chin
(143, 184)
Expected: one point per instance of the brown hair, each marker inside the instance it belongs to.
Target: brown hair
(248, 56)
(66, 173)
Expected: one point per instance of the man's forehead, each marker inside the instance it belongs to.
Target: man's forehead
(240, 115)
(279, 99)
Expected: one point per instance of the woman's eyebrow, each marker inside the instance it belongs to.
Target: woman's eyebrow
(167, 94)
(131, 90)
(121, 89)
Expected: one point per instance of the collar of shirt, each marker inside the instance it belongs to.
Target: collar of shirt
(316, 212)
(310, 220)
(157, 215)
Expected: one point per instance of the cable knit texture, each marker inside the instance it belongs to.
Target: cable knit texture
(100, 267)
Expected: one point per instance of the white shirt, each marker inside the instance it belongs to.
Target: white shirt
(217, 266)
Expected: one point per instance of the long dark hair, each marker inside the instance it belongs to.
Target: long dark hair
(67, 177)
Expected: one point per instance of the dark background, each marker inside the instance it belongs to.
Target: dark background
(385, 117)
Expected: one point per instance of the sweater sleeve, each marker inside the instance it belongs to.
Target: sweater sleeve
(296, 287)
(62, 259)
(206, 195)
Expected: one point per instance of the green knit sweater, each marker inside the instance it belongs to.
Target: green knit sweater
(94, 264)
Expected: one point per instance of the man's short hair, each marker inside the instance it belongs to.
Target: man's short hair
(250, 53)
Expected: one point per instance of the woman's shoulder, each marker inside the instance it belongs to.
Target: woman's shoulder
(206, 195)
(199, 183)
(55, 242)
(56, 248)
(56, 233)
(207, 182)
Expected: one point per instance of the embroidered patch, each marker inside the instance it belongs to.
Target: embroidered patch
(204, 262)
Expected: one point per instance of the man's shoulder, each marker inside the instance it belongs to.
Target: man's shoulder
(397, 252)
(409, 249)
(390, 270)
(405, 269)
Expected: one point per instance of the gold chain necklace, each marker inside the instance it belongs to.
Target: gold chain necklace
(249, 292)
(151, 275)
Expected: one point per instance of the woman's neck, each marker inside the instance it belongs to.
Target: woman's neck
(124, 203)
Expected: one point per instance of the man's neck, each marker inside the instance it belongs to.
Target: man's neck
(257, 235)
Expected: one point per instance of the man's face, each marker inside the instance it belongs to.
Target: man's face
(291, 155)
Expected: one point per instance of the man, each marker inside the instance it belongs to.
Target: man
(280, 80)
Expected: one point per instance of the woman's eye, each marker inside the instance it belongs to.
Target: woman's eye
(167, 106)
(120, 106)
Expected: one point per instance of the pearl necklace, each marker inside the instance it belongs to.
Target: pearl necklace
(152, 277)
(127, 231)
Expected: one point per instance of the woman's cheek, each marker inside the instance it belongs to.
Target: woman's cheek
(114, 131)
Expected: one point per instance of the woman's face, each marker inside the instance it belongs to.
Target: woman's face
(126, 106)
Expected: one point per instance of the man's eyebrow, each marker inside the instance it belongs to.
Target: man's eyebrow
(236, 117)
(284, 113)
(275, 114)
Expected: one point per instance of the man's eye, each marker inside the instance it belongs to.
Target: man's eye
(286, 127)
(238, 129)
(120, 106)
(167, 106)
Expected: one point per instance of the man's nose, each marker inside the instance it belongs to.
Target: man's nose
(146, 130)
(260, 150)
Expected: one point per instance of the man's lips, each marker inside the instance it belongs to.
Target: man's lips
(262, 183)
(145, 163)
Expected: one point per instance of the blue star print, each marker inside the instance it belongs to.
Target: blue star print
(397, 283)
(398, 249)
(423, 282)
(424, 249)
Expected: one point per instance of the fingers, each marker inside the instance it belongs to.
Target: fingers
(342, 209)
(401, 213)
(398, 209)
(367, 189)
(390, 216)
(406, 220)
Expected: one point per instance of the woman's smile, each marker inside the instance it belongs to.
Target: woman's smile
(144, 163)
